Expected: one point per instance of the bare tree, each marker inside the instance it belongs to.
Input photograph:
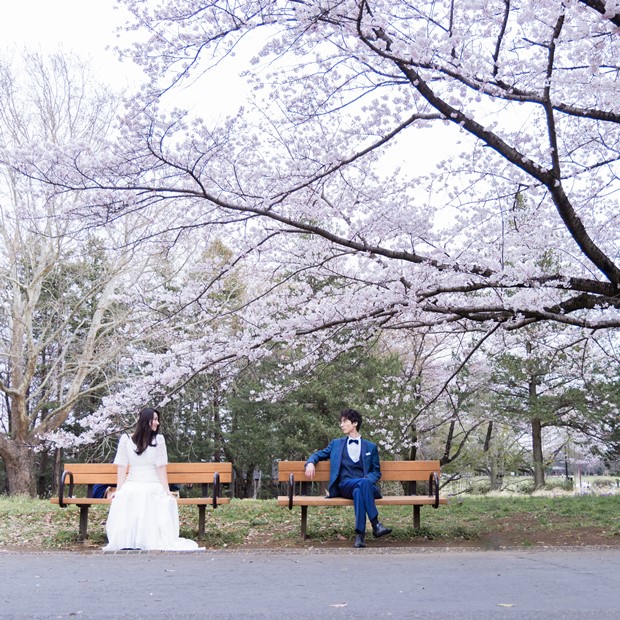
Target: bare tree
(60, 313)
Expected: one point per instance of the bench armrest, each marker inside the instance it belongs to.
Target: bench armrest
(61, 490)
(433, 485)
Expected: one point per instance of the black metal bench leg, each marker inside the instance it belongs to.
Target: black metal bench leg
(416, 517)
(201, 521)
(83, 522)
(304, 522)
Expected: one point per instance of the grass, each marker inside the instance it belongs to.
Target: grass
(472, 521)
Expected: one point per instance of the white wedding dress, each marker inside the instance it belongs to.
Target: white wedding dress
(142, 515)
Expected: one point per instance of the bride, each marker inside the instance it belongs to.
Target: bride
(144, 513)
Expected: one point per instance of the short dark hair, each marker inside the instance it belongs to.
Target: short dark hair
(354, 416)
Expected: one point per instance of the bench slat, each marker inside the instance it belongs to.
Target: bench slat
(387, 500)
(178, 473)
(183, 501)
(201, 501)
(285, 468)
(197, 478)
(82, 501)
(403, 471)
(408, 471)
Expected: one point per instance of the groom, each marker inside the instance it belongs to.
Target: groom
(353, 473)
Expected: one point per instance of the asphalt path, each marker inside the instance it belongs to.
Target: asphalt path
(314, 584)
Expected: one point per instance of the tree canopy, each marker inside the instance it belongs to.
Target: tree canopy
(516, 224)
(449, 166)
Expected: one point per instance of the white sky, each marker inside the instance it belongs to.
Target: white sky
(89, 27)
(83, 26)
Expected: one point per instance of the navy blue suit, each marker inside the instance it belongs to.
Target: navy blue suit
(363, 490)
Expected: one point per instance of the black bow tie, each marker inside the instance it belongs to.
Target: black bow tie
(354, 441)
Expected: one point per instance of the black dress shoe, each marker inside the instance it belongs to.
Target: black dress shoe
(359, 541)
(380, 530)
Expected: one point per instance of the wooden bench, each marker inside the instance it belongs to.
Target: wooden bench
(205, 474)
(408, 472)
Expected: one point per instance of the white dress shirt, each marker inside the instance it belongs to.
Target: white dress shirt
(354, 449)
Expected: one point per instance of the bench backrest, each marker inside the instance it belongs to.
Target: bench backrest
(178, 473)
(402, 471)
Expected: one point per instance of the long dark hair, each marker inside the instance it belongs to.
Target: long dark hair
(143, 436)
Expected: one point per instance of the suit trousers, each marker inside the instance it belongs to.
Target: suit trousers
(362, 492)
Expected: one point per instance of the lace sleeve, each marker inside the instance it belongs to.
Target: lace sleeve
(161, 453)
(122, 452)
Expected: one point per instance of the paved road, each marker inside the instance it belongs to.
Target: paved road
(314, 584)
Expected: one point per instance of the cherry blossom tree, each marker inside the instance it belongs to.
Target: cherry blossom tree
(528, 177)
(446, 164)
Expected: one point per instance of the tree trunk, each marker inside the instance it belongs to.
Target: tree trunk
(493, 472)
(412, 487)
(448, 447)
(491, 457)
(539, 466)
(218, 435)
(57, 471)
(244, 481)
(42, 489)
(413, 451)
(487, 439)
(19, 464)
(537, 451)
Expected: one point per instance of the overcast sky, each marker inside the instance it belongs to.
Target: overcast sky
(76, 24)
(87, 27)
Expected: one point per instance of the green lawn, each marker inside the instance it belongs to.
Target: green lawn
(37, 524)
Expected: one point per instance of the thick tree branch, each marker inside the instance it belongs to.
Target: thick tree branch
(600, 7)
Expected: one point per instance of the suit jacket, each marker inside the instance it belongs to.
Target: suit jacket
(369, 455)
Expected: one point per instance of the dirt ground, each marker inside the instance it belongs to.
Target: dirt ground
(512, 532)
(523, 532)
(513, 536)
